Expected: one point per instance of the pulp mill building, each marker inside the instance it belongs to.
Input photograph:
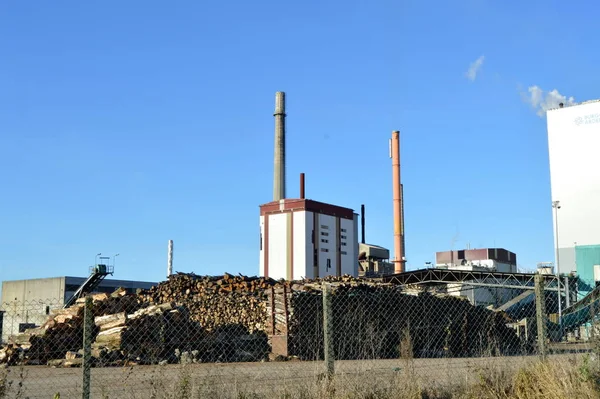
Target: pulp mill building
(303, 238)
(573, 142)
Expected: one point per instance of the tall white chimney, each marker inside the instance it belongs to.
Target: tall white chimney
(170, 259)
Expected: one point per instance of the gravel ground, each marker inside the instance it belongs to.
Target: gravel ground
(233, 378)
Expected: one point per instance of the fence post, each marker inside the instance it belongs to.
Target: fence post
(88, 325)
(540, 313)
(328, 331)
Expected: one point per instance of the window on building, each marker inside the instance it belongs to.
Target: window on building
(324, 233)
(343, 237)
(344, 253)
(343, 230)
(47, 309)
(261, 241)
(324, 227)
(324, 240)
(25, 326)
(343, 244)
(328, 264)
(324, 250)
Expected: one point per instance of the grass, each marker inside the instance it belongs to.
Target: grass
(548, 380)
(13, 387)
(573, 377)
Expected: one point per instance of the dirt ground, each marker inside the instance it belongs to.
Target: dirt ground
(235, 378)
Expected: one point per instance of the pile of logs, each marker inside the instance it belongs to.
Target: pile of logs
(377, 322)
(230, 318)
(216, 301)
(61, 333)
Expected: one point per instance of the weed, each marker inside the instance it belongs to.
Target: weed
(4, 384)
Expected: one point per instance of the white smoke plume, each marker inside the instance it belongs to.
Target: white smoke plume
(474, 68)
(543, 101)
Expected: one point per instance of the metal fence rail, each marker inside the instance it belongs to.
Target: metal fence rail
(213, 339)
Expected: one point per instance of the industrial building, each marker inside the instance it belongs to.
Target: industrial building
(27, 303)
(488, 259)
(303, 238)
(482, 259)
(573, 142)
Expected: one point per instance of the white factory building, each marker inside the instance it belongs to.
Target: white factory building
(481, 259)
(573, 143)
(302, 238)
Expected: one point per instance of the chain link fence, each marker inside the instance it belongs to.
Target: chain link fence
(233, 336)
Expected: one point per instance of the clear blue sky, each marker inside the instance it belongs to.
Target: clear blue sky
(124, 124)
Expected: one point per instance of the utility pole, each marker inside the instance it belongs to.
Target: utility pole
(556, 207)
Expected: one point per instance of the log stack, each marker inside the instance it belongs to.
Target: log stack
(378, 321)
(234, 318)
(217, 301)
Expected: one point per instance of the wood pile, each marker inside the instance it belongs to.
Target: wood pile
(215, 301)
(61, 333)
(377, 322)
(228, 318)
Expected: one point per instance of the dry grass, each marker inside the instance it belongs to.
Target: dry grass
(547, 380)
(3, 382)
(564, 377)
(9, 387)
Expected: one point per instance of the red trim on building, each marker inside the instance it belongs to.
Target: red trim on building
(289, 205)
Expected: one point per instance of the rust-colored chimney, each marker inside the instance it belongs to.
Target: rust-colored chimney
(399, 259)
(302, 186)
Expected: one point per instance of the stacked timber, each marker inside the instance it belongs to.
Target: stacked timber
(215, 301)
(234, 318)
(148, 335)
(61, 333)
(379, 322)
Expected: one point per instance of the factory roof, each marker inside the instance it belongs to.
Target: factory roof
(498, 254)
(290, 205)
(574, 104)
(73, 279)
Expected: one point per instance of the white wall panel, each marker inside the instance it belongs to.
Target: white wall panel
(301, 242)
(277, 245)
(261, 267)
(326, 230)
(349, 258)
(574, 142)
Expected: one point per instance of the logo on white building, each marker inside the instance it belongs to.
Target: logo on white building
(587, 119)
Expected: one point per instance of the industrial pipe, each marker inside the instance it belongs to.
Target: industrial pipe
(170, 259)
(302, 186)
(362, 223)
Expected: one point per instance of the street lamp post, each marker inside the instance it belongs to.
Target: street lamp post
(96, 258)
(556, 207)
(115, 259)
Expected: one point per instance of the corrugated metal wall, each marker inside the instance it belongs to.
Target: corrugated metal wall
(586, 256)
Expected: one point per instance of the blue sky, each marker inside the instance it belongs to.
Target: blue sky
(126, 124)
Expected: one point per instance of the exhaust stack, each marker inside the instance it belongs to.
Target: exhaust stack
(170, 259)
(362, 223)
(302, 194)
(279, 158)
(399, 258)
